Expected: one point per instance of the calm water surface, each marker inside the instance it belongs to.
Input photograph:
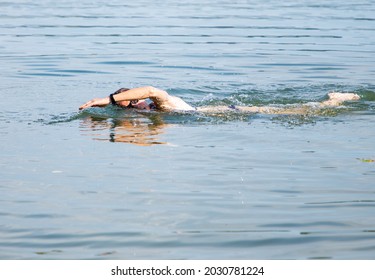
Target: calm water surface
(110, 184)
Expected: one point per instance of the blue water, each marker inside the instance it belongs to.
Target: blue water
(111, 184)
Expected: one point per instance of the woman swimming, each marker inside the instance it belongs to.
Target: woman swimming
(161, 100)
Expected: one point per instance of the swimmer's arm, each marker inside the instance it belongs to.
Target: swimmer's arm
(96, 102)
(158, 96)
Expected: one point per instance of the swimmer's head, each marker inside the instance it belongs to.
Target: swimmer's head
(121, 90)
(122, 103)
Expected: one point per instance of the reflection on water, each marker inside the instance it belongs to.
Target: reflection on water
(131, 130)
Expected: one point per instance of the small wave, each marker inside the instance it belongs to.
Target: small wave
(366, 94)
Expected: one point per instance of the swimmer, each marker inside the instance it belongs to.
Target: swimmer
(162, 101)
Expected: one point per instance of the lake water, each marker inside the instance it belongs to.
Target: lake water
(111, 184)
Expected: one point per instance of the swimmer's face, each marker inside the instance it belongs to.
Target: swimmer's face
(123, 103)
(141, 105)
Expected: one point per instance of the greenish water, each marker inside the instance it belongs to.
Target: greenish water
(113, 184)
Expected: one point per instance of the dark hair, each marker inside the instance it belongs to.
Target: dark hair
(120, 90)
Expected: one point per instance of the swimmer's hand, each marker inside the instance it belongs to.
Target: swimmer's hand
(96, 102)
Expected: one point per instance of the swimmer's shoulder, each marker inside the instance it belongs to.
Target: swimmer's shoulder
(175, 103)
